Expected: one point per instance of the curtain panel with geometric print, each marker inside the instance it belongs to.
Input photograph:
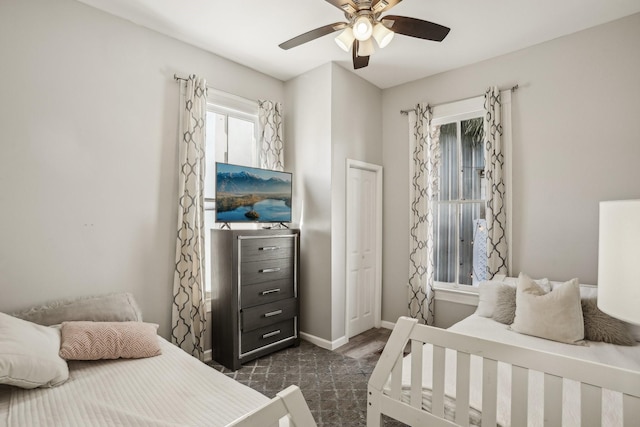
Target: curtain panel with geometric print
(424, 149)
(188, 307)
(496, 212)
(271, 144)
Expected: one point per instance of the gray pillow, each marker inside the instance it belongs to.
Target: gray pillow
(505, 310)
(104, 308)
(599, 326)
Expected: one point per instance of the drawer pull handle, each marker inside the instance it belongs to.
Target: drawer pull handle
(271, 334)
(269, 270)
(271, 291)
(273, 313)
(268, 248)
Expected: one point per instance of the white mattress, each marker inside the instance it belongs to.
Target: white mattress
(620, 356)
(172, 389)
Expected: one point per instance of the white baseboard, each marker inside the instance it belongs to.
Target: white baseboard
(321, 342)
(387, 325)
(208, 356)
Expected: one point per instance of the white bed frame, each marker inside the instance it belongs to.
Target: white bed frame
(593, 377)
(289, 403)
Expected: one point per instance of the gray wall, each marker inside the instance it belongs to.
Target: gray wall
(575, 143)
(356, 133)
(335, 116)
(88, 152)
(308, 135)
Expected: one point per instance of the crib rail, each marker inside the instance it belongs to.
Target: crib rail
(593, 378)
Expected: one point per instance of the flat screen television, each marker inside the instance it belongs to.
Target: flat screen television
(246, 194)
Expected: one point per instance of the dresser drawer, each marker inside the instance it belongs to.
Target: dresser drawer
(265, 271)
(267, 314)
(267, 335)
(266, 248)
(265, 292)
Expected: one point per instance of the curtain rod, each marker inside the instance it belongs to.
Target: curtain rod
(223, 93)
(405, 112)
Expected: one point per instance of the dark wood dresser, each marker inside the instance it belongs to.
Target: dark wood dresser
(254, 293)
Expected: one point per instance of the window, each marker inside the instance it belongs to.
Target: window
(460, 257)
(232, 135)
(460, 253)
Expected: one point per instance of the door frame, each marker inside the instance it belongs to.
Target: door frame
(377, 169)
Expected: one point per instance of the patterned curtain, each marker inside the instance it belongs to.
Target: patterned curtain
(494, 164)
(188, 309)
(271, 135)
(423, 170)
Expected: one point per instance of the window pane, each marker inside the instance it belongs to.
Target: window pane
(241, 142)
(473, 244)
(448, 162)
(445, 242)
(214, 150)
(472, 159)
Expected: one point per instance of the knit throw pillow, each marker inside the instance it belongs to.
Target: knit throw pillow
(108, 340)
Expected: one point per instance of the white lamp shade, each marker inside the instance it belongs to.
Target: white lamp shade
(618, 260)
(362, 28)
(382, 34)
(366, 48)
(345, 39)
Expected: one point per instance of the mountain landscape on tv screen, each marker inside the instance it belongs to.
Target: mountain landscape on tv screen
(243, 196)
(246, 182)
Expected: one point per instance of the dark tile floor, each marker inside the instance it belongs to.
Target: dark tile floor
(334, 385)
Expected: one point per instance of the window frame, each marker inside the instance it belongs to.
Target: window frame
(241, 108)
(459, 111)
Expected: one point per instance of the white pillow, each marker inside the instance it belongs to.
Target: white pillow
(556, 315)
(29, 354)
(488, 294)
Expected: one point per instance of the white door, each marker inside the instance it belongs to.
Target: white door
(363, 251)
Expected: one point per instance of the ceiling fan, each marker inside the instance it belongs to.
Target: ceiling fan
(365, 23)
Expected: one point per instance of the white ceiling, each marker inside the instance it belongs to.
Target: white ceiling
(249, 31)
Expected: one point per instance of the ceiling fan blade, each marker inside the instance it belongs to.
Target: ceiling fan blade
(417, 28)
(344, 5)
(312, 35)
(378, 6)
(358, 61)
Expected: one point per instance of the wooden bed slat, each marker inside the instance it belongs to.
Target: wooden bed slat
(396, 379)
(463, 370)
(489, 392)
(519, 395)
(416, 373)
(590, 405)
(631, 408)
(437, 393)
(552, 395)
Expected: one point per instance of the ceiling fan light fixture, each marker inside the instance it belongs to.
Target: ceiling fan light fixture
(345, 39)
(362, 28)
(382, 34)
(366, 48)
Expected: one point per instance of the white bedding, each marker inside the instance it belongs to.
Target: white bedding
(482, 327)
(172, 389)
